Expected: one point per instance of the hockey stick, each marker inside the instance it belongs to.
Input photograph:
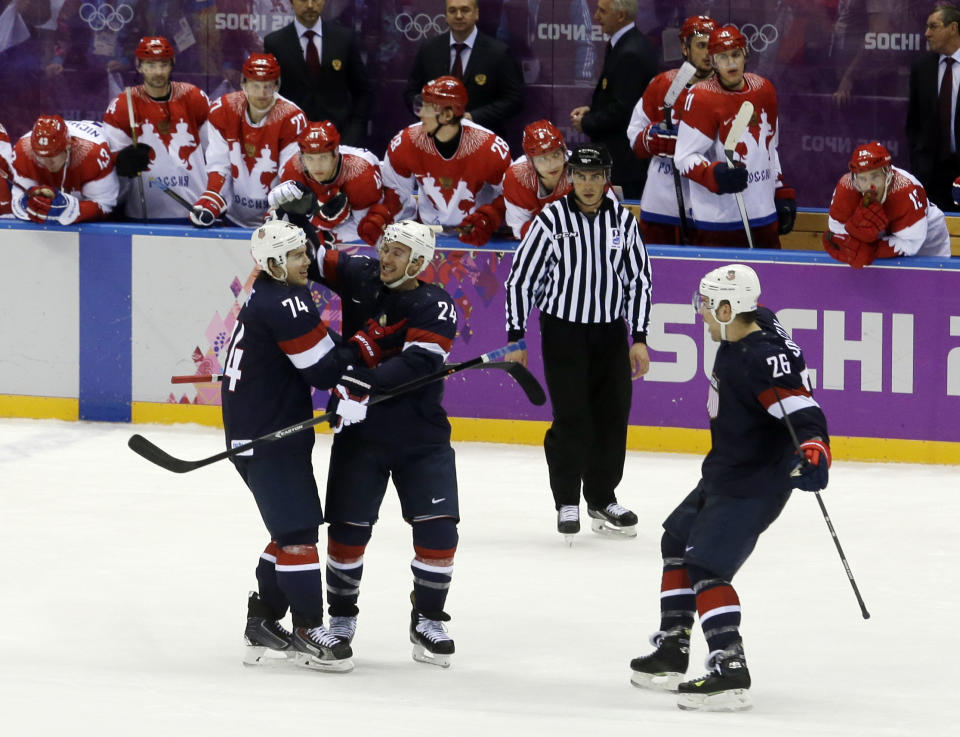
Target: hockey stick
(133, 135)
(185, 204)
(684, 75)
(823, 508)
(740, 123)
(143, 447)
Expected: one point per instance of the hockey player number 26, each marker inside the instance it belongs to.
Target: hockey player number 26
(780, 364)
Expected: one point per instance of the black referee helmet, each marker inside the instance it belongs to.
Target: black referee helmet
(590, 156)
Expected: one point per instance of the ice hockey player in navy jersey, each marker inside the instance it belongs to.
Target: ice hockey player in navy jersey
(758, 376)
(406, 438)
(279, 349)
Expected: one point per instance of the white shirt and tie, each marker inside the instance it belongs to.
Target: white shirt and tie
(466, 47)
(955, 79)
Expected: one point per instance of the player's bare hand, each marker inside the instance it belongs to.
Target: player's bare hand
(639, 360)
(517, 357)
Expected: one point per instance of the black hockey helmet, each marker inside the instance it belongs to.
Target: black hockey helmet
(590, 157)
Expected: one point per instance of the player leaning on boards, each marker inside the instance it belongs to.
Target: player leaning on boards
(880, 211)
(279, 349)
(583, 265)
(747, 477)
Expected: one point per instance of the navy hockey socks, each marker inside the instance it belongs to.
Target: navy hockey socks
(435, 543)
(270, 593)
(719, 609)
(345, 548)
(299, 577)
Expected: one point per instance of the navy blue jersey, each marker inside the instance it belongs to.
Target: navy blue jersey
(279, 348)
(751, 449)
(414, 417)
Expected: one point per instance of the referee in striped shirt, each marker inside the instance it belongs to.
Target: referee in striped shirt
(583, 264)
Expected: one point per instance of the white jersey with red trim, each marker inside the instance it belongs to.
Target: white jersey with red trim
(449, 189)
(707, 114)
(524, 195)
(175, 130)
(6, 173)
(916, 226)
(659, 201)
(358, 177)
(87, 174)
(248, 157)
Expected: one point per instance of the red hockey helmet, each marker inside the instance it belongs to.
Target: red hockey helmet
(446, 92)
(697, 25)
(319, 138)
(542, 137)
(725, 38)
(869, 156)
(49, 136)
(263, 67)
(155, 48)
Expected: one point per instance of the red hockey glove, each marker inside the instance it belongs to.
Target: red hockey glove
(207, 209)
(849, 250)
(785, 200)
(956, 191)
(334, 211)
(660, 140)
(867, 222)
(371, 227)
(376, 342)
(810, 471)
(478, 226)
(38, 201)
(353, 395)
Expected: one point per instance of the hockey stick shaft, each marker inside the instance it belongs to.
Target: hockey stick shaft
(133, 136)
(823, 509)
(740, 123)
(678, 187)
(143, 447)
(176, 197)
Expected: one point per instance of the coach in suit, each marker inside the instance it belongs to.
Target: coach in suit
(321, 70)
(628, 67)
(491, 75)
(933, 121)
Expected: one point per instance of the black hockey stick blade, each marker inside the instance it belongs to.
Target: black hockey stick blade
(525, 380)
(144, 448)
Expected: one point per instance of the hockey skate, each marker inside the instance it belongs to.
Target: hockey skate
(343, 628)
(568, 522)
(431, 643)
(614, 520)
(663, 669)
(724, 688)
(317, 649)
(267, 640)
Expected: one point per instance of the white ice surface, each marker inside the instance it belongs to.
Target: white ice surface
(123, 591)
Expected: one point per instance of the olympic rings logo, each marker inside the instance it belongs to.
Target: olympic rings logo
(106, 16)
(766, 35)
(421, 25)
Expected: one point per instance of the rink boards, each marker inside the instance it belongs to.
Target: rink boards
(97, 318)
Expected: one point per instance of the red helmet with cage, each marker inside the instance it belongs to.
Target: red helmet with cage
(697, 25)
(726, 38)
(49, 136)
(868, 157)
(319, 138)
(155, 48)
(262, 67)
(542, 137)
(446, 92)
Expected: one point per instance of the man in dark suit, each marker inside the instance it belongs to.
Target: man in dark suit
(628, 67)
(933, 121)
(321, 70)
(491, 75)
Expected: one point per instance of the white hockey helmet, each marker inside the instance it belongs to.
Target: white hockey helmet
(419, 238)
(736, 284)
(274, 240)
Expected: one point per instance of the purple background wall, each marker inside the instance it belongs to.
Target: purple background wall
(841, 72)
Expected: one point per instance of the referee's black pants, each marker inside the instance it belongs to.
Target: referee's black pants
(587, 368)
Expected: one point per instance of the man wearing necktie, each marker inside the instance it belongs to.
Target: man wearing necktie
(628, 67)
(322, 70)
(491, 75)
(932, 119)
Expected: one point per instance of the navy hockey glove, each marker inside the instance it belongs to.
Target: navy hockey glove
(785, 200)
(811, 471)
(377, 341)
(730, 179)
(334, 211)
(352, 394)
(132, 160)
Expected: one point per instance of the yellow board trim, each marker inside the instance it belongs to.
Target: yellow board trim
(521, 432)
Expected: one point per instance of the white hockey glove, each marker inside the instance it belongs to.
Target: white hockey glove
(353, 395)
(41, 204)
(207, 209)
